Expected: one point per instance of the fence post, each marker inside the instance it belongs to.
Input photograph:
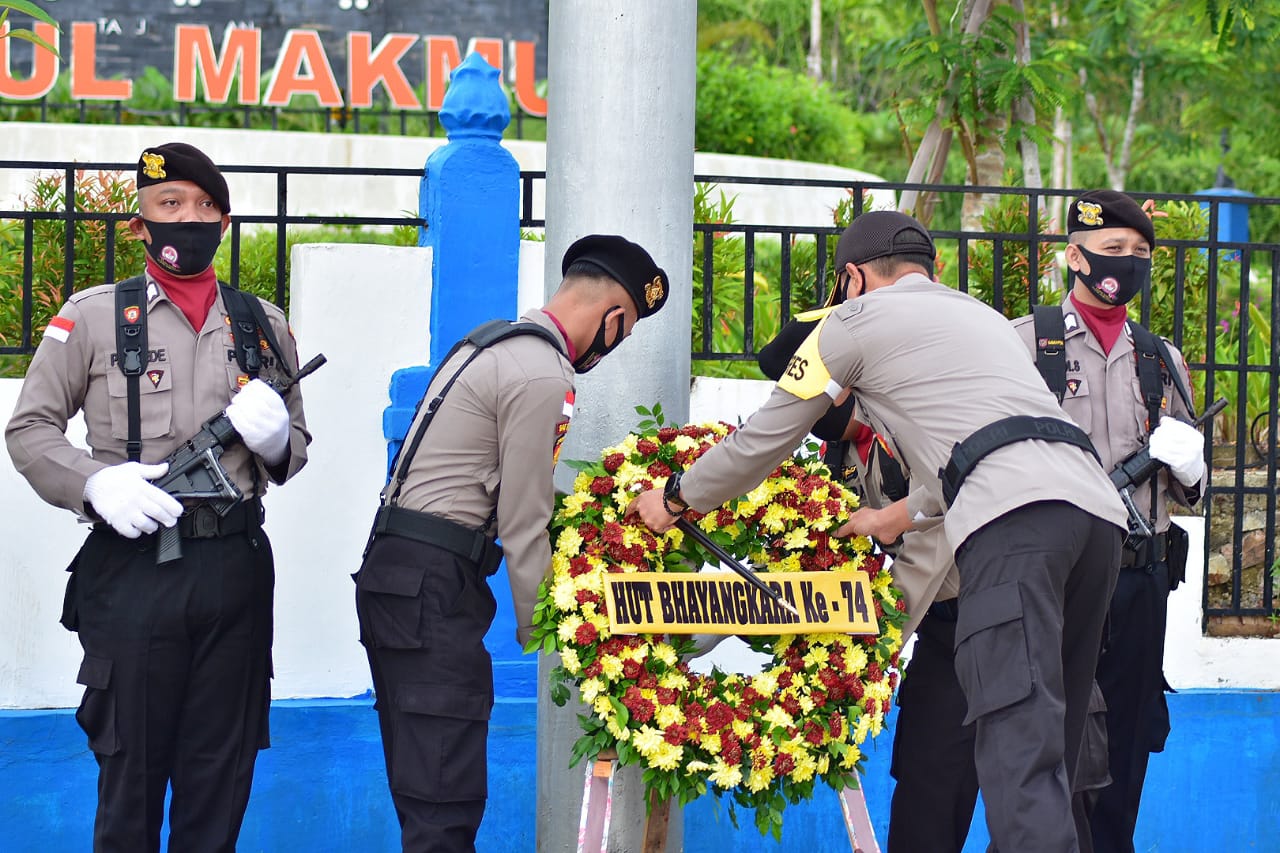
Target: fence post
(470, 199)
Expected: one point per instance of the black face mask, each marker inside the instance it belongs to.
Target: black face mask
(183, 248)
(1114, 279)
(831, 426)
(598, 349)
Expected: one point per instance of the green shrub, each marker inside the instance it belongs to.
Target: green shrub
(765, 111)
(1009, 215)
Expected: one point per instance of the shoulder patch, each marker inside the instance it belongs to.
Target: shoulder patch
(805, 375)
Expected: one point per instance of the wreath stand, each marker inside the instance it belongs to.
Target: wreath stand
(597, 810)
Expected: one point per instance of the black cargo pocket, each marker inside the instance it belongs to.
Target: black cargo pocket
(1091, 772)
(991, 650)
(440, 740)
(389, 604)
(70, 618)
(97, 712)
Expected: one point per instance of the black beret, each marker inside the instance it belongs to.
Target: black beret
(1099, 209)
(178, 161)
(776, 355)
(879, 234)
(626, 263)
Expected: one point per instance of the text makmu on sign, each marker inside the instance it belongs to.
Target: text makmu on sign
(342, 53)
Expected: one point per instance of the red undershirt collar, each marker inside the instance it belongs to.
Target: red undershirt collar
(193, 296)
(1105, 323)
(573, 351)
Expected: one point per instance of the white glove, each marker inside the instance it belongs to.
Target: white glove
(258, 413)
(124, 497)
(1181, 447)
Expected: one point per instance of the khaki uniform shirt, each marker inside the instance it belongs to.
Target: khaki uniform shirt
(929, 366)
(923, 567)
(491, 447)
(1104, 398)
(190, 376)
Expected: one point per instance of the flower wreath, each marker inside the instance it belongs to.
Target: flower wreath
(765, 739)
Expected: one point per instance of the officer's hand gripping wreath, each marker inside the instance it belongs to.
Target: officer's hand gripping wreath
(1174, 450)
(195, 474)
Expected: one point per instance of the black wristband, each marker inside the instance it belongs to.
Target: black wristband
(671, 492)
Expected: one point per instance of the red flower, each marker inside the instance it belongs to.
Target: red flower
(719, 715)
(586, 634)
(724, 517)
(647, 680)
(632, 668)
(813, 732)
(588, 531)
(602, 486)
(783, 764)
(871, 705)
(785, 678)
(791, 705)
(646, 446)
(667, 696)
(593, 669)
(658, 468)
(613, 533)
(612, 463)
(835, 725)
(667, 434)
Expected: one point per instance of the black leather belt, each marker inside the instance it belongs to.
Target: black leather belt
(1148, 553)
(473, 545)
(965, 455)
(203, 522)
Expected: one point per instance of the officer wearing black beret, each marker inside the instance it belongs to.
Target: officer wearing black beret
(477, 464)
(1127, 388)
(177, 657)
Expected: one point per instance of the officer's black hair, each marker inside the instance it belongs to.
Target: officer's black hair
(889, 265)
(586, 269)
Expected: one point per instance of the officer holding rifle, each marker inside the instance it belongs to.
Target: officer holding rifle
(1129, 390)
(177, 655)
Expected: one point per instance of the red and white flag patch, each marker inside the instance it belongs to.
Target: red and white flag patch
(59, 329)
(567, 411)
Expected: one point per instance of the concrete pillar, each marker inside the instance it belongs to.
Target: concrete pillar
(619, 160)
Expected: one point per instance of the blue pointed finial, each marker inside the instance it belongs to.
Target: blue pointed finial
(475, 105)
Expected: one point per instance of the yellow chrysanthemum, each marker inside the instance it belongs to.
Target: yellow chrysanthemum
(591, 690)
(610, 667)
(765, 683)
(667, 757)
(564, 593)
(667, 715)
(759, 779)
(664, 653)
(568, 627)
(725, 776)
(776, 716)
(647, 740)
(797, 539)
(569, 660)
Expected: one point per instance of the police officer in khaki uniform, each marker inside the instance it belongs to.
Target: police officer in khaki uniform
(177, 657)
(933, 762)
(477, 462)
(1109, 254)
(1034, 521)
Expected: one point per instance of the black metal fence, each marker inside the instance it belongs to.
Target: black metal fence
(1217, 299)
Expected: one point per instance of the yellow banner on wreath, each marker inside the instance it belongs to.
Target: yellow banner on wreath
(725, 603)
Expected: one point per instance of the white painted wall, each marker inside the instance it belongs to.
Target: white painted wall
(383, 197)
(318, 522)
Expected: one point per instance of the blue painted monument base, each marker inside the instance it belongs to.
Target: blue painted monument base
(322, 786)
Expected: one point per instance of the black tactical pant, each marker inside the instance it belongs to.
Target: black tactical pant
(933, 751)
(933, 762)
(423, 616)
(1131, 672)
(177, 665)
(1034, 587)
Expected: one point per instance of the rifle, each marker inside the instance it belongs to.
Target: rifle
(1141, 466)
(196, 475)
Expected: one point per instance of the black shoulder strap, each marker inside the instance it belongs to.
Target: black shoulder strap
(1152, 354)
(1051, 350)
(481, 337)
(131, 353)
(249, 325)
